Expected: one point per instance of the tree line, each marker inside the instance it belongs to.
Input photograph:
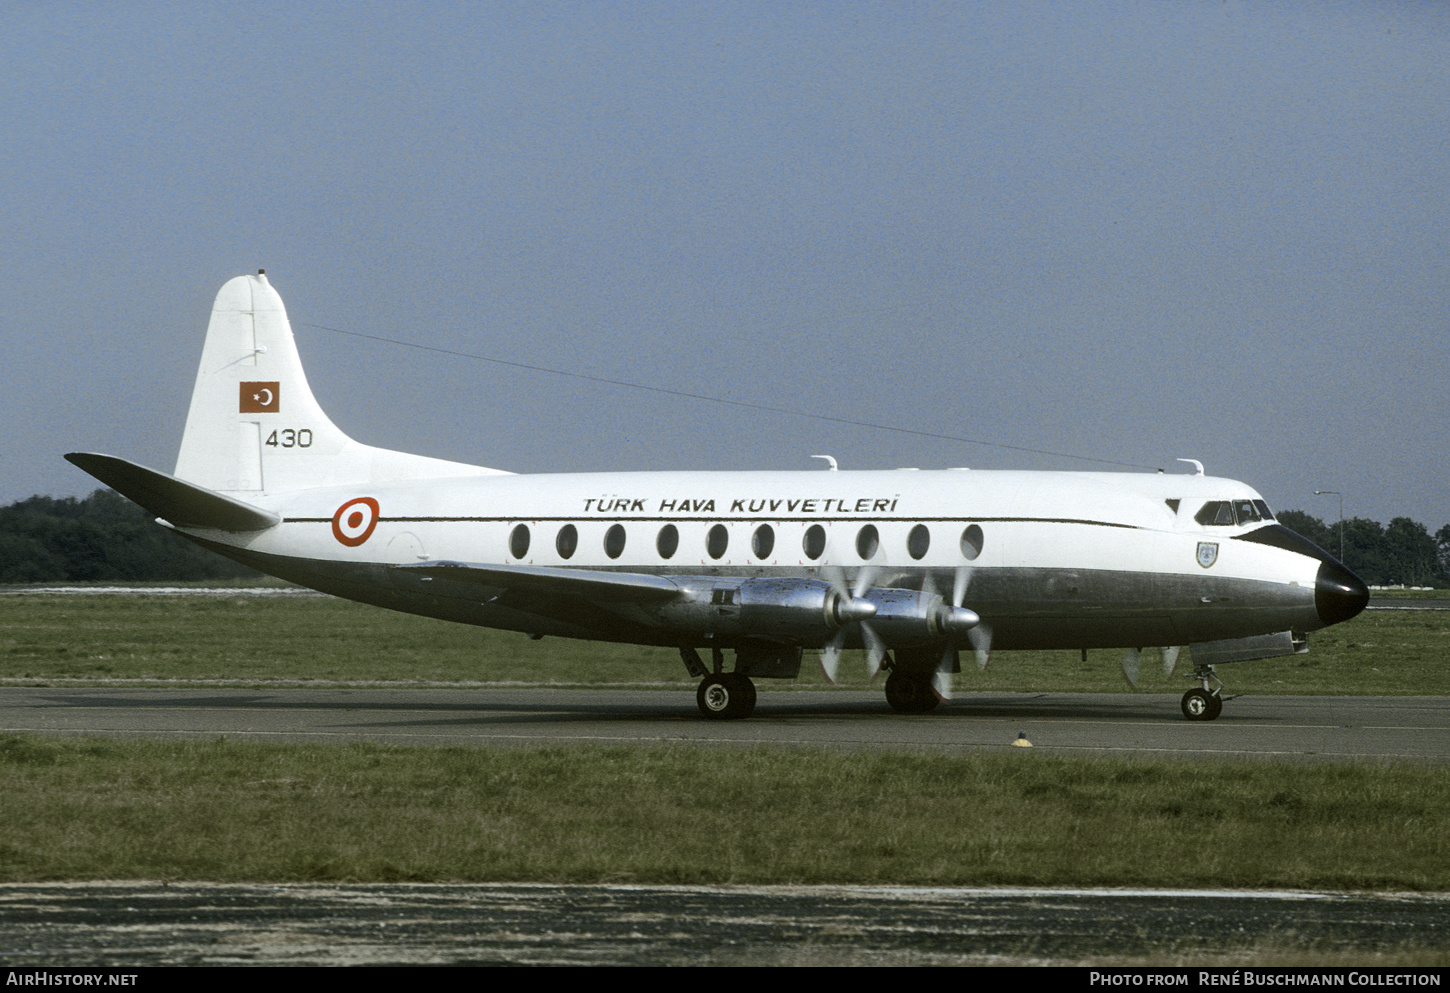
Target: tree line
(103, 537)
(107, 537)
(1402, 554)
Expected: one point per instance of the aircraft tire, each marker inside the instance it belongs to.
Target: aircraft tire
(747, 694)
(1201, 705)
(726, 696)
(910, 694)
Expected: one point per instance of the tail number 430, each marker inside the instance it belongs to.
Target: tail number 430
(289, 438)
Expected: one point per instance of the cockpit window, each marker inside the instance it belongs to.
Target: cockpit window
(1217, 513)
(1227, 513)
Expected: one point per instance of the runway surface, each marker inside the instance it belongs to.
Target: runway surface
(1363, 728)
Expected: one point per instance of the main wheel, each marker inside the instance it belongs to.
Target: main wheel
(747, 694)
(1201, 705)
(726, 697)
(909, 694)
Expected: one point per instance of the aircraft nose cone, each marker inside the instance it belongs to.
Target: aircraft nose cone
(1338, 593)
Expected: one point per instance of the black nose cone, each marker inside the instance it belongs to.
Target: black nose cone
(1338, 593)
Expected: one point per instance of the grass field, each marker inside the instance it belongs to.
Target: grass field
(222, 810)
(327, 640)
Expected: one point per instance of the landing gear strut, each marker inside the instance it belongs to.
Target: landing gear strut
(726, 696)
(1204, 703)
(910, 694)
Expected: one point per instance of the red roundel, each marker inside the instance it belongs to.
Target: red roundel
(354, 521)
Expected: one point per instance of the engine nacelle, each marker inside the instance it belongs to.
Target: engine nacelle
(810, 611)
(796, 611)
(909, 617)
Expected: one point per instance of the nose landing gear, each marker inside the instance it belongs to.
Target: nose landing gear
(1204, 703)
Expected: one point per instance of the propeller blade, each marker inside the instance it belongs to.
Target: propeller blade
(831, 656)
(875, 650)
(1130, 666)
(1170, 659)
(864, 578)
(941, 684)
(960, 582)
(981, 639)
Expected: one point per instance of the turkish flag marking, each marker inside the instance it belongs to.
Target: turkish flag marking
(260, 398)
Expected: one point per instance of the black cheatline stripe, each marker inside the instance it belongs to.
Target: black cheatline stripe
(729, 520)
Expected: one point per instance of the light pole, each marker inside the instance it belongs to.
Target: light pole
(1341, 517)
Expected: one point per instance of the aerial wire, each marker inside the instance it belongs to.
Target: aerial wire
(745, 404)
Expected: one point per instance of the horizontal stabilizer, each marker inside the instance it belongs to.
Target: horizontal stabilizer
(585, 583)
(183, 504)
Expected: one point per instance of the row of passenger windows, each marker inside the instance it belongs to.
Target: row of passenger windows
(762, 541)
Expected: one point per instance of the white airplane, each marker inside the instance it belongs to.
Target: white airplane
(913, 566)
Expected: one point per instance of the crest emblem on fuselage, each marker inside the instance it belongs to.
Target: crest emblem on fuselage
(1207, 553)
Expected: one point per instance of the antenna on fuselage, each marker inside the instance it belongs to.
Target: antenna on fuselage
(1196, 464)
(830, 459)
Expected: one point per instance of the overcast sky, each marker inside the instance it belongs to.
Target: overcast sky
(1124, 231)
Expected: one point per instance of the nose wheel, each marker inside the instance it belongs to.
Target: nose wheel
(1201, 705)
(1204, 703)
(726, 696)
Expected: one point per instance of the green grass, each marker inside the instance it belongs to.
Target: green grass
(327, 640)
(227, 811)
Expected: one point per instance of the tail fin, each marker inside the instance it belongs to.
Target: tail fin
(254, 426)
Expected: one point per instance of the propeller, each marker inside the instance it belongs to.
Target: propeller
(851, 609)
(1133, 656)
(1130, 666)
(1170, 659)
(981, 639)
(952, 618)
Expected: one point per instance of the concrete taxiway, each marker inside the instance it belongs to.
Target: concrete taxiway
(1360, 728)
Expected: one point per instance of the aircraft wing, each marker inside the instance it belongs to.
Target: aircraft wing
(587, 584)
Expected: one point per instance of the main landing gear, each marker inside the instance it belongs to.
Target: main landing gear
(909, 694)
(722, 696)
(726, 696)
(1204, 703)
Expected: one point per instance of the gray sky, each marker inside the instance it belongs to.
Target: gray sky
(1124, 231)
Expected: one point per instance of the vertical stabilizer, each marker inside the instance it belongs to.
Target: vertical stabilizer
(254, 426)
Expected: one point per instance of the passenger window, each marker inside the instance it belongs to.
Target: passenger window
(867, 541)
(971, 542)
(567, 541)
(519, 541)
(668, 541)
(814, 543)
(763, 541)
(717, 541)
(918, 541)
(614, 541)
